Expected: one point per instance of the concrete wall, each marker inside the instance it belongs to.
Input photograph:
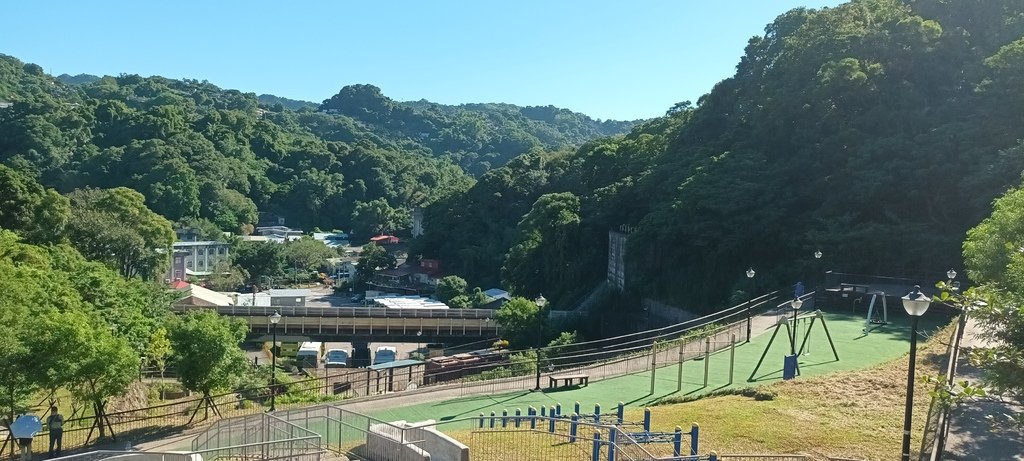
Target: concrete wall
(438, 445)
(384, 443)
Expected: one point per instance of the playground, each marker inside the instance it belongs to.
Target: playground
(853, 403)
(856, 349)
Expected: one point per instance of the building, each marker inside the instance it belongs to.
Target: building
(279, 234)
(407, 302)
(177, 269)
(343, 270)
(332, 239)
(427, 273)
(417, 221)
(195, 295)
(200, 257)
(409, 279)
(496, 298)
(288, 297)
(385, 240)
(617, 259)
(275, 298)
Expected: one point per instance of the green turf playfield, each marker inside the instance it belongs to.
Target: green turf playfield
(856, 351)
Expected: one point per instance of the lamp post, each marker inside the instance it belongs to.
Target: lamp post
(418, 342)
(953, 284)
(916, 304)
(273, 357)
(819, 278)
(795, 304)
(541, 302)
(750, 304)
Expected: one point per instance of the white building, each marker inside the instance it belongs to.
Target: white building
(200, 257)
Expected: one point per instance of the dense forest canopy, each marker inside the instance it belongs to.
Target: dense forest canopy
(198, 151)
(877, 131)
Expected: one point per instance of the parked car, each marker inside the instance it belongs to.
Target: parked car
(357, 298)
(336, 358)
(385, 354)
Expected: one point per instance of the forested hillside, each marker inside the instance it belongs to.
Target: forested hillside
(198, 151)
(878, 131)
(476, 136)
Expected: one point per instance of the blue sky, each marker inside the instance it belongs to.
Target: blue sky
(607, 59)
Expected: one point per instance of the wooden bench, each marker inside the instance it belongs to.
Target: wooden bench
(567, 380)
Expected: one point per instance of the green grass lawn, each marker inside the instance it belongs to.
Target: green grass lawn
(856, 351)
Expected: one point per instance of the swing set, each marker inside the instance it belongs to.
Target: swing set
(791, 334)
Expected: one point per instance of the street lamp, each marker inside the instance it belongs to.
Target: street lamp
(795, 304)
(750, 304)
(817, 254)
(953, 284)
(418, 342)
(916, 304)
(541, 302)
(273, 357)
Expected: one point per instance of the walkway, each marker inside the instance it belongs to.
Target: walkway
(971, 435)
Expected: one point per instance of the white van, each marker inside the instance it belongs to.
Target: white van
(309, 355)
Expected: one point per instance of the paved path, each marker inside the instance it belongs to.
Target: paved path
(971, 437)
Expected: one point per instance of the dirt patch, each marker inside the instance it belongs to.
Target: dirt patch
(136, 397)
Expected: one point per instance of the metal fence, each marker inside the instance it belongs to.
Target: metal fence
(262, 436)
(600, 359)
(936, 426)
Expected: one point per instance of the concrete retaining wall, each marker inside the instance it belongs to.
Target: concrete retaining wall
(438, 445)
(384, 443)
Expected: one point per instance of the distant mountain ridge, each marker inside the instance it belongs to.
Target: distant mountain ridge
(197, 151)
(476, 136)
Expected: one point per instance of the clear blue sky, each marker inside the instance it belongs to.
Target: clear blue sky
(608, 59)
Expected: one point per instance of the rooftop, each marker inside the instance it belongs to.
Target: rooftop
(285, 293)
(198, 244)
(408, 302)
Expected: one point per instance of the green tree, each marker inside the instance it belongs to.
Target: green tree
(449, 287)
(227, 208)
(539, 259)
(104, 366)
(995, 261)
(38, 214)
(226, 277)
(207, 353)
(308, 253)
(520, 320)
(115, 227)
(378, 217)
(159, 350)
(372, 259)
(259, 259)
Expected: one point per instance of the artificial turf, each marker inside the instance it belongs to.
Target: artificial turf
(856, 350)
